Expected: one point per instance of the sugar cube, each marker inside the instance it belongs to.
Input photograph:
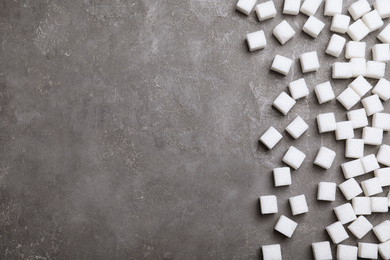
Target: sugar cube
(297, 127)
(265, 10)
(388, 197)
(362, 205)
(350, 188)
(325, 157)
(341, 70)
(321, 250)
(313, 26)
(333, 7)
(381, 121)
(326, 191)
(383, 155)
(272, 252)
(286, 226)
(382, 89)
(358, 30)
(291, 7)
(358, 118)
(372, 136)
(384, 35)
(381, 52)
(372, 20)
(369, 163)
(367, 250)
(383, 8)
(379, 204)
(345, 213)
(337, 232)
(354, 148)
(346, 252)
(358, 66)
(256, 40)
(355, 49)
(281, 64)
(375, 69)
(360, 85)
(298, 88)
(372, 104)
(324, 92)
(326, 122)
(283, 32)
(245, 6)
(340, 23)
(360, 227)
(298, 204)
(309, 62)
(282, 176)
(268, 204)
(382, 231)
(284, 103)
(335, 45)
(309, 7)
(352, 169)
(371, 187)
(384, 250)
(294, 157)
(271, 137)
(344, 130)
(383, 174)
(359, 8)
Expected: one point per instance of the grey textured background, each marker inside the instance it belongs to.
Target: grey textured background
(128, 130)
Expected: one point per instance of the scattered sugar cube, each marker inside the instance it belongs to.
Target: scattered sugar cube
(326, 191)
(297, 127)
(372, 20)
(325, 157)
(344, 130)
(383, 155)
(326, 122)
(350, 188)
(362, 205)
(313, 26)
(294, 157)
(375, 69)
(358, 118)
(345, 252)
(340, 23)
(382, 231)
(321, 250)
(369, 163)
(379, 204)
(359, 8)
(383, 8)
(354, 148)
(336, 46)
(245, 6)
(352, 169)
(360, 85)
(337, 232)
(382, 89)
(291, 7)
(371, 187)
(282, 176)
(384, 35)
(324, 92)
(309, 62)
(272, 252)
(381, 52)
(381, 121)
(298, 205)
(372, 105)
(281, 64)
(286, 226)
(384, 250)
(372, 136)
(256, 40)
(355, 49)
(367, 250)
(333, 7)
(360, 227)
(271, 137)
(341, 70)
(358, 30)
(345, 213)
(283, 32)
(309, 7)
(265, 10)
(298, 89)
(284, 103)
(358, 66)
(383, 174)
(268, 204)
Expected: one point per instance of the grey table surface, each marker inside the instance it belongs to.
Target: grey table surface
(129, 130)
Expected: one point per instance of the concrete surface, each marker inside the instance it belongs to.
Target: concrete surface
(129, 130)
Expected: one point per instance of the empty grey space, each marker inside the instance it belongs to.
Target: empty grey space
(129, 130)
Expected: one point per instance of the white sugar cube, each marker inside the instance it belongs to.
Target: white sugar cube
(383, 8)
(375, 69)
(321, 250)
(284, 103)
(291, 7)
(352, 169)
(336, 45)
(384, 250)
(371, 187)
(381, 52)
(272, 252)
(354, 148)
(341, 70)
(325, 157)
(355, 49)
(383, 174)
(337, 232)
(345, 213)
(286, 226)
(360, 227)
(359, 8)
(372, 136)
(358, 30)
(379, 204)
(268, 204)
(388, 197)
(281, 64)
(245, 6)
(346, 252)
(294, 157)
(298, 88)
(367, 250)
(271, 137)
(362, 205)
(256, 40)
(297, 127)
(326, 122)
(372, 105)
(382, 231)
(383, 155)
(350, 188)
(384, 35)
(309, 7)
(282, 176)
(326, 191)
(381, 121)
(359, 66)
(360, 85)
(382, 89)
(283, 32)
(358, 118)
(372, 20)
(324, 92)
(265, 10)
(298, 205)
(340, 23)
(313, 26)
(309, 62)
(344, 130)
(369, 163)
(333, 7)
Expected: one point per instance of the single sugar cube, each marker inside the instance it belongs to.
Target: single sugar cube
(256, 40)
(268, 204)
(336, 45)
(354, 148)
(382, 89)
(282, 176)
(367, 250)
(245, 6)
(382, 231)
(388, 197)
(294, 157)
(291, 7)
(324, 92)
(383, 8)
(371, 187)
(360, 85)
(381, 121)
(358, 30)
(372, 136)
(347, 252)
(360, 227)
(345, 213)
(297, 127)
(350, 188)
(333, 7)
(326, 122)
(383, 155)
(372, 20)
(341, 70)
(272, 252)
(321, 250)
(298, 205)
(358, 118)
(340, 23)
(375, 69)
(284, 103)
(358, 66)
(298, 89)
(355, 49)
(384, 35)
(379, 204)
(271, 137)
(362, 205)
(265, 10)
(381, 52)
(281, 64)
(359, 8)
(313, 26)
(337, 232)
(283, 32)
(369, 163)
(309, 62)
(384, 250)
(372, 105)
(344, 130)
(383, 174)
(309, 7)
(286, 226)
(325, 157)
(352, 169)
(326, 191)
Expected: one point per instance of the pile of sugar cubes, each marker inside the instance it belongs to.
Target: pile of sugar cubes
(361, 199)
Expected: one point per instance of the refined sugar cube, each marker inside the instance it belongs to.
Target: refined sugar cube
(245, 6)
(352, 169)
(384, 250)
(372, 105)
(256, 40)
(291, 7)
(360, 227)
(321, 250)
(324, 92)
(354, 148)
(375, 69)
(298, 204)
(372, 20)
(326, 191)
(309, 7)
(272, 252)
(268, 204)
(340, 23)
(298, 89)
(345, 252)
(333, 7)
(384, 35)
(359, 8)
(313, 26)
(381, 52)
(383, 174)
(326, 122)
(309, 62)
(358, 118)
(337, 232)
(379, 204)
(341, 70)
(355, 49)
(265, 10)
(281, 64)
(382, 231)
(381, 121)
(358, 30)
(283, 32)
(282, 176)
(369, 163)
(286, 226)
(297, 127)
(345, 213)
(372, 136)
(284, 103)
(383, 8)
(360, 85)
(294, 157)
(371, 187)
(325, 158)
(358, 66)
(336, 45)
(382, 89)
(350, 189)
(271, 137)
(344, 130)
(367, 250)
(362, 205)
(383, 155)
